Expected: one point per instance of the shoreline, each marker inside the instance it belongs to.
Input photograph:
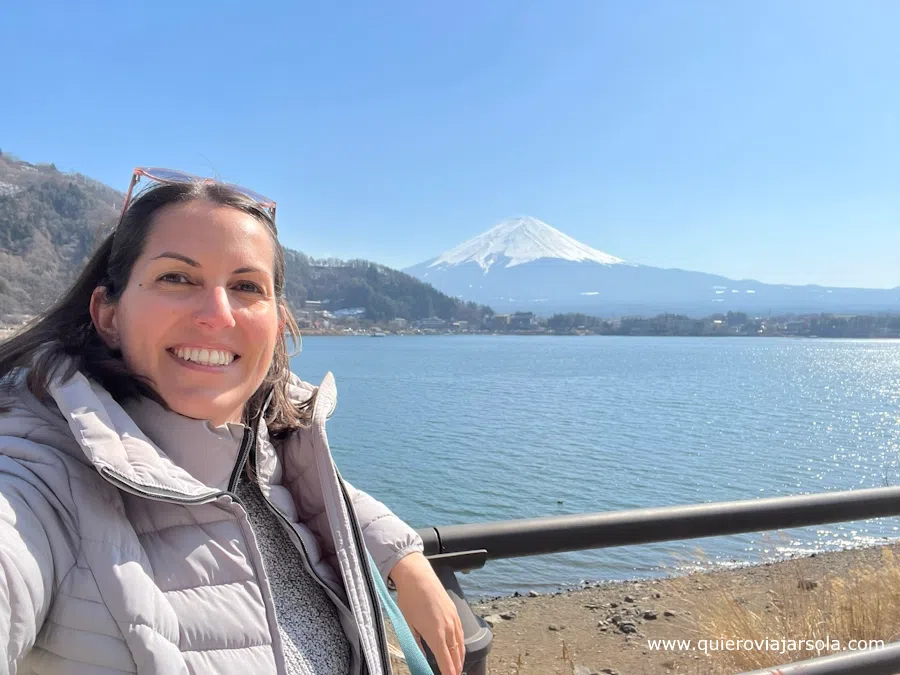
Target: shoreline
(683, 570)
(340, 333)
(586, 626)
(7, 332)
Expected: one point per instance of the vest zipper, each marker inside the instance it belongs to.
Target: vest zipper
(367, 575)
(248, 444)
(299, 543)
(160, 495)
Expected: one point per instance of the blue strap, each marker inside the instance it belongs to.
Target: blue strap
(415, 659)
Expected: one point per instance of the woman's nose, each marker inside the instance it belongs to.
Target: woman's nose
(215, 309)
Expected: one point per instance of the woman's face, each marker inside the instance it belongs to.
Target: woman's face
(199, 316)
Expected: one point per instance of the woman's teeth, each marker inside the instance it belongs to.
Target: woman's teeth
(205, 357)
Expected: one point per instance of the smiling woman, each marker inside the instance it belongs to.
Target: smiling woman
(218, 292)
(168, 500)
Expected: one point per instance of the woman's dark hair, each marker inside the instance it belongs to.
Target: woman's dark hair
(63, 340)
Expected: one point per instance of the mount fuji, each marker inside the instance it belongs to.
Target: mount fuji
(524, 264)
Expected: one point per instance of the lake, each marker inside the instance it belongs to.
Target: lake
(463, 429)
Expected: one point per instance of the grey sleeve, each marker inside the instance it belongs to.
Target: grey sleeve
(27, 569)
(386, 536)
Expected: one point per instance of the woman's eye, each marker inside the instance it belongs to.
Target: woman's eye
(174, 278)
(248, 287)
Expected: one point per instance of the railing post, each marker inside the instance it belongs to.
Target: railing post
(477, 634)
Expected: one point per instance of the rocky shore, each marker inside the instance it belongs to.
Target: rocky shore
(605, 628)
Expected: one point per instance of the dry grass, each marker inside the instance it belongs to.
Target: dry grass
(518, 667)
(565, 664)
(855, 597)
(864, 604)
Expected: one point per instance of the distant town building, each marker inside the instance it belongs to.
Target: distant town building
(350, 312)
(735, 319)
(522, 321)
(500, 322)
(431, 323)
(398, 324)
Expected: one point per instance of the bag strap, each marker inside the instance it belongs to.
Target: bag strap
(415, 659)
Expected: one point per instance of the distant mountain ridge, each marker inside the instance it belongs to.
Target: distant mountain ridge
(525, 264)
(50, 221)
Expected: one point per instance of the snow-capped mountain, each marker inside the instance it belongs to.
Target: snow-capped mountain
(526, 264)
(518, 241)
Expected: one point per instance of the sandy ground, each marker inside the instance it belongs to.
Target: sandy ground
(605, 628)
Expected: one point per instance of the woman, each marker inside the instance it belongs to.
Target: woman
(168, 501)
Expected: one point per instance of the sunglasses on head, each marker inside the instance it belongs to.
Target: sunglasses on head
(175, 177)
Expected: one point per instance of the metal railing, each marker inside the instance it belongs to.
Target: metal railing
(453, 548)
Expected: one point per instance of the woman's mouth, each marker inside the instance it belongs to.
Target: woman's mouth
(204, 356)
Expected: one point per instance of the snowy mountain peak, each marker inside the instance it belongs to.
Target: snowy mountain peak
(521, 240)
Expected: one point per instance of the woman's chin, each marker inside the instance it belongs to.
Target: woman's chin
(215, 412)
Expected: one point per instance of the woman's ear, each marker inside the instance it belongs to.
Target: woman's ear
(103, 314)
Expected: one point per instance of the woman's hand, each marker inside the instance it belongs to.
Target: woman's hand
(429, 611)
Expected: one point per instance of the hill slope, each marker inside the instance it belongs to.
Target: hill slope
(49, 224)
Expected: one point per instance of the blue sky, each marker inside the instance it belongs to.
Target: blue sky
(753, 139)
